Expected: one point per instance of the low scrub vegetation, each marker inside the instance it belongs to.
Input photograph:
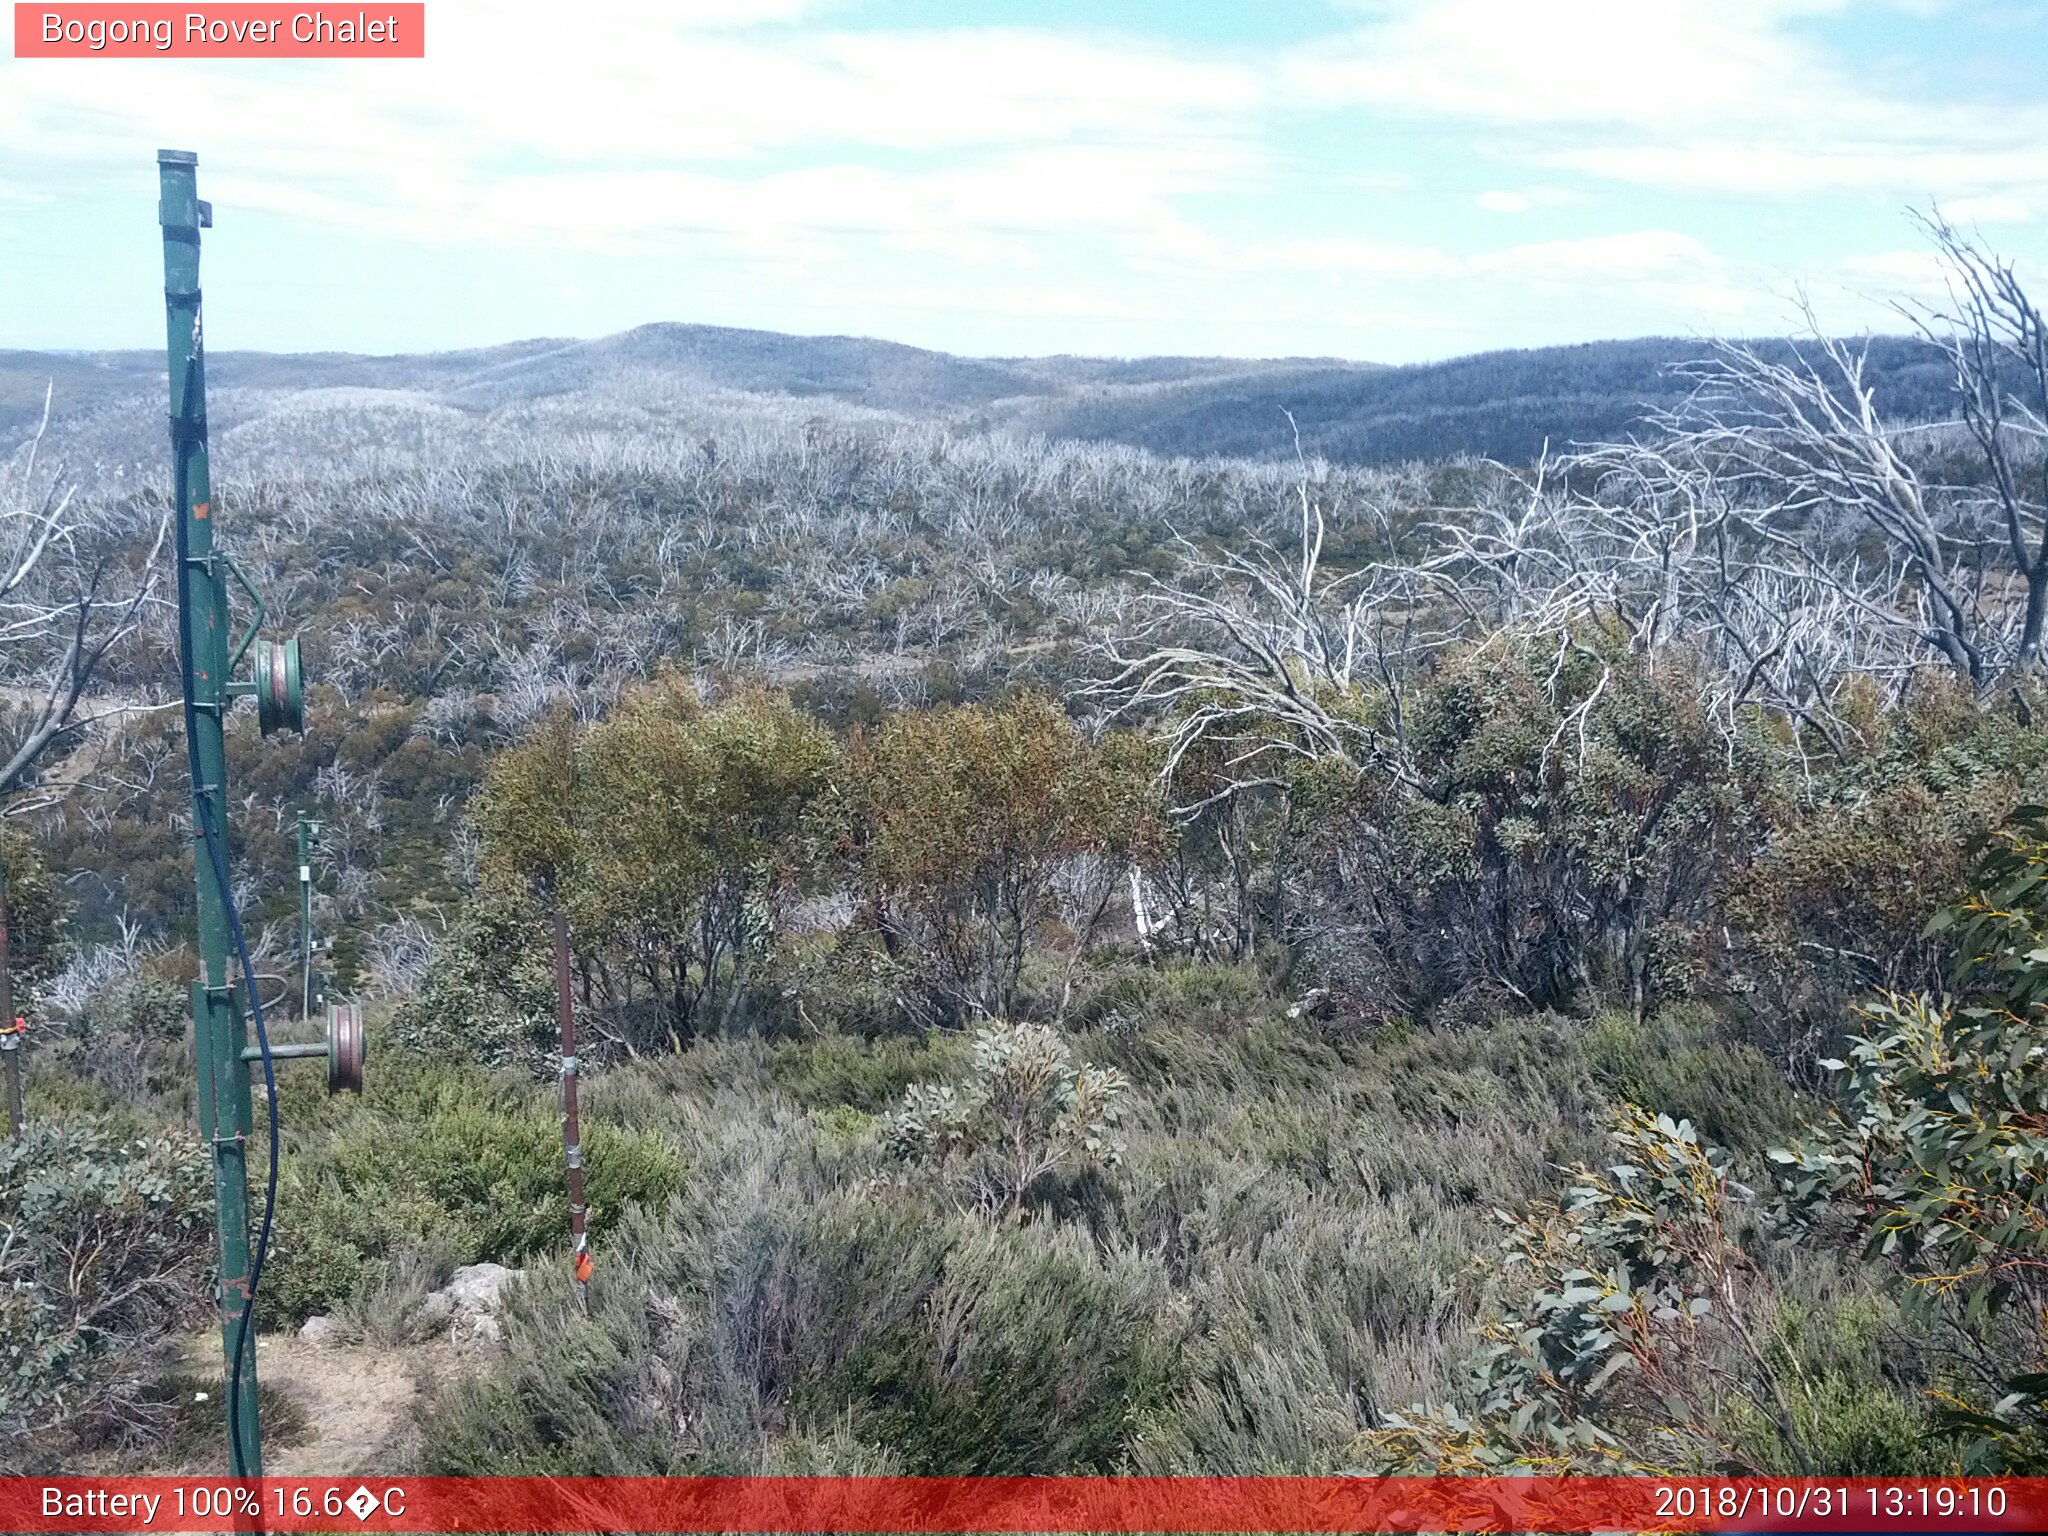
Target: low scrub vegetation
(1093, 963)
(106, 1239)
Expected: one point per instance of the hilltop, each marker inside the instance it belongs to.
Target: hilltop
(1502, 405)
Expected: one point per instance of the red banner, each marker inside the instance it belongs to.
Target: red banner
(238, 31)
(1019, 1504)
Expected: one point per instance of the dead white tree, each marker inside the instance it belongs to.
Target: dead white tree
(1261, 652)
(1776, 523)
(1997, 345)
(67, 599)
(1649, 541)
(1802, 452)
(1951, 566)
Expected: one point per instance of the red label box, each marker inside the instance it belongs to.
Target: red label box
(237, 31)
(1339, 1506)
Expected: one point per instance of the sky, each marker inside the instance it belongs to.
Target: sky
(1390, 180)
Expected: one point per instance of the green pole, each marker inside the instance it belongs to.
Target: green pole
(219, 1031)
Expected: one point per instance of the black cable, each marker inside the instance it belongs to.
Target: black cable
(184, 435)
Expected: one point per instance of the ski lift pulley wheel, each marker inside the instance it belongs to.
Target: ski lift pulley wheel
(345, 1048)
(280, 687)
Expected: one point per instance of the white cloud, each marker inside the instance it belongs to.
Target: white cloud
(1104, 190)
(1994, 208)
(1913, 170)
(1377, 181)
(1705, 95)
(1594, 61)
(712, 133)
(1639, 255)
(717, 13)
(777, 162)
(1636, 255)
(640, 84)
(1532, 292)
(1508, 200)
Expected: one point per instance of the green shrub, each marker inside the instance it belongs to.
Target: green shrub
(1025, 1114)
(924, 1341)
(130, 1040)
(38, 914)
(1171, 994)
(1564, 833)
(1683, 1061)
(1848, 1357)
(440, 1161)
(1937, 1165)
(867, 1074)
(489, 993)
(1839, 901)
(849, 985)
(1937, 1160)
(974, 827)
(1028, 1354)
(104, 1247)
(1284, 1250)
(675, 834)
(568, 1395)
(1624, 1311)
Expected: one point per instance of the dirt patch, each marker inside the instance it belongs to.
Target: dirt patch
(349, 1405)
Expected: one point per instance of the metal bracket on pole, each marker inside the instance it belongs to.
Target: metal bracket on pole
(255, 619)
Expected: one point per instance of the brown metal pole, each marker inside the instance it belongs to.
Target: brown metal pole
(572, 1136)
(12, 1041)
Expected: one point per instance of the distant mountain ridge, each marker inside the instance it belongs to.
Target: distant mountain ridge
(1497, 404)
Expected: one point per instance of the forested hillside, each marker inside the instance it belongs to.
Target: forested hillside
(1500, 405)
(1090, 959)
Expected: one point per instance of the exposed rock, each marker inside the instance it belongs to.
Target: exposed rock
(466, 1304)
(475, 1287)
(317, 1330)
(1312, 1002)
